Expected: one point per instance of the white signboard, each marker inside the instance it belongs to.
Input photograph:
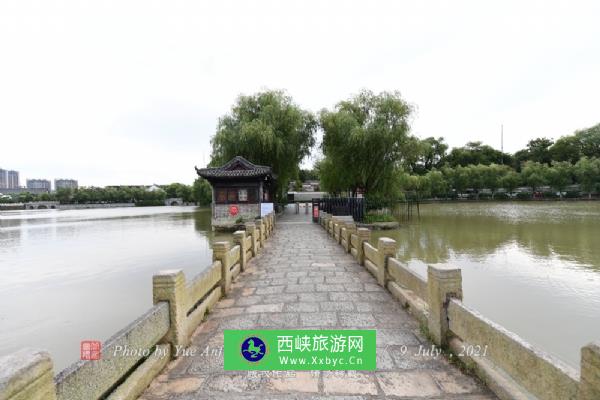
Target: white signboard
(266, 208)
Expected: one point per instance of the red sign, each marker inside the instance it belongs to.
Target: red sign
(233, 210)
(316, 212)
(90, 349)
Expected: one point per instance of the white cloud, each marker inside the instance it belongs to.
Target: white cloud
(130, 92)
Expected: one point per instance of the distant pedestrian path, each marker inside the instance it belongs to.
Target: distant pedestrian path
(304, 280)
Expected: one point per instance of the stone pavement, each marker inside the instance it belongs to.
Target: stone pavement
(304, 280)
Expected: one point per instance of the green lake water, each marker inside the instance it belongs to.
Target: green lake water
(532, 267)
(68, 276)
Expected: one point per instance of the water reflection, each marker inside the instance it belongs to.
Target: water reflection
(81, 274)
(533, 267)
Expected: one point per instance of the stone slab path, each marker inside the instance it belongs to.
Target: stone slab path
(304, 280)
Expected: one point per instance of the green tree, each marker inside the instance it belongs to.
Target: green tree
(437, 184)
(492, 175)
(534, 174)
(364, 142)
(308, 175)
(179, 190)
(474, 153)
(475, 176)
(202, 192)
(64, 195)
(567, 148)
(458, 178)
(589, 140)
(539, 150)
(587, 171)
(266, 128)
(559, 175)
(426, 154)
(510, 181)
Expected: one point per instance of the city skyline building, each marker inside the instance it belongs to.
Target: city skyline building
(12, 178)
(39, 184)
(65, 184)
(3, 179)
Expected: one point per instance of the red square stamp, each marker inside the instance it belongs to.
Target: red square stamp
(90, 349)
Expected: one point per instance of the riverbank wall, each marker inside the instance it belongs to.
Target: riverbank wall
(510, 367)
(123, 366)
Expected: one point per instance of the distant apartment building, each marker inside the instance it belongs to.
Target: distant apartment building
(65, 184)
(12, 178)
(3, 179)
(38, 184)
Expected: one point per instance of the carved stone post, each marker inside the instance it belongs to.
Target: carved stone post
(260, 232)
(221, 253)
(338, 231)
(443, 283)
(169, 285)
(263, 231)
(364, 235)
(350, 230)
(239, 237)
(386, 248)
(589, 384)
(251, 230)
(27, 375)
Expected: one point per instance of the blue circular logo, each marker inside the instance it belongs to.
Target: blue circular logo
(253, 349)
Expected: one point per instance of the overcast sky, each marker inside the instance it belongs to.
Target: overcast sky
(129, 92)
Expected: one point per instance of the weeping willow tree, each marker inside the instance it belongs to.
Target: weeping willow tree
(266, 128)
(364, 142)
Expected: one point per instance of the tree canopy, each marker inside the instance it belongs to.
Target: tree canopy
(364, 142)
(266, 128)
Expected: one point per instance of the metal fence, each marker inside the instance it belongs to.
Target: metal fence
(342, 206)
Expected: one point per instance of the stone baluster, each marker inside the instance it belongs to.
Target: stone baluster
(589, 384)
(443, 283)
(169, 285)
(260, 233)
(27, 375)
(221, 253)
(386, 248)
(364, 235)
(350, 230)
(251, 230)
(239, 238)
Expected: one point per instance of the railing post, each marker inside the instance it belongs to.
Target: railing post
(443, 283)
(364, 235)
(260, 232)
(239, 237)
(251, 230)
(338, 233)
(350, 230)
(221, 253)
(27, 374)
(169, 285)
(269, 224)
(589, 383)
(263, 231)
(386, 248)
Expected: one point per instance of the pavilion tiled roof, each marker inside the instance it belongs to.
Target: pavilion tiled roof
(237, 167)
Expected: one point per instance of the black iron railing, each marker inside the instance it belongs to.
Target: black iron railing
(342, 206)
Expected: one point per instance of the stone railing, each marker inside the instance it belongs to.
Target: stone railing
(511, 367)
(136, 354)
